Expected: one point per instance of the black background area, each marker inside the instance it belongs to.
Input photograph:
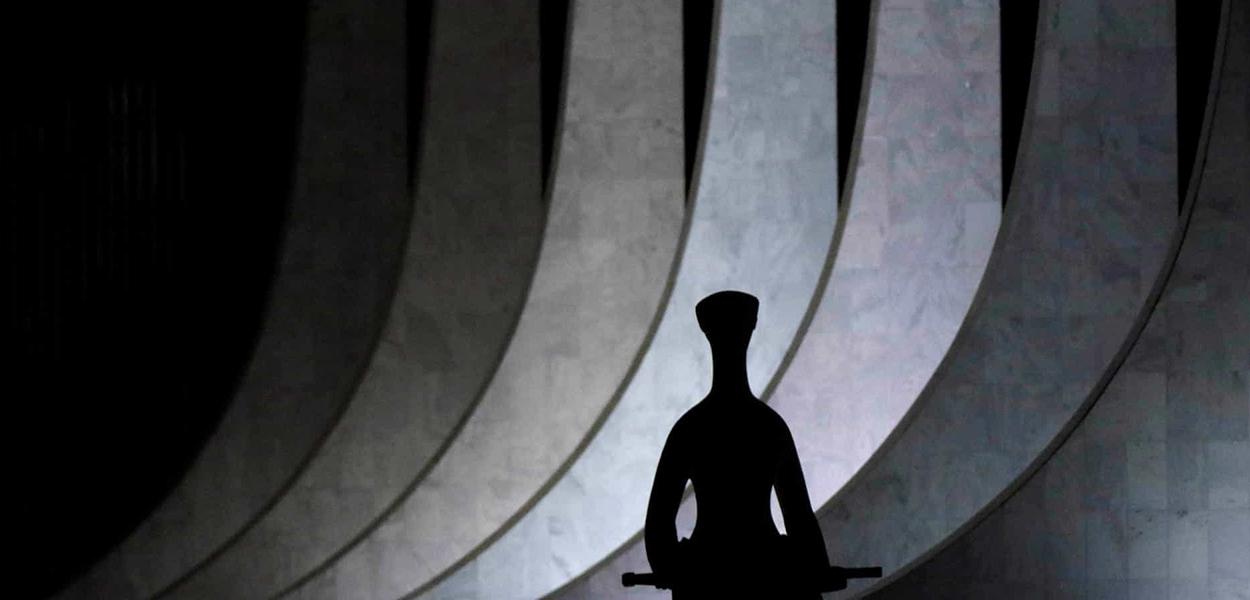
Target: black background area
(146, 168)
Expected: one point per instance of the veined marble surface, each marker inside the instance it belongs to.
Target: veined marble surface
(1150, 495)
(607, 253)
(471, 251)
(334, 282)
(922, 219)
(763, 223)
(1086, 230)
(919, 225)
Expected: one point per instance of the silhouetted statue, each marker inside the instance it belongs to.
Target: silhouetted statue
(735, 450)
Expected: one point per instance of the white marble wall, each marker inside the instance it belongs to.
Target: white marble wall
(924, 212)
(346, 223)
(1150, 495)
(1084, 237)
(470, 254)
(918, 227)
(608, 250)
(762, 222)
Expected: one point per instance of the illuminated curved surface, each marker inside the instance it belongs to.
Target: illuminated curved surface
(923, 213)
(347, 217)
(762, 222)
(1150, 494)
(607, 254)
(1086, 231)
(471, 250)
(919, 225)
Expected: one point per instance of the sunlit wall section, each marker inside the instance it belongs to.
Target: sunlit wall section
(606, 258)
(470, 253)
(1150, 495)
(1084, 237)
(763, 221)
(923, 213)
(334, 282)
(920, 222)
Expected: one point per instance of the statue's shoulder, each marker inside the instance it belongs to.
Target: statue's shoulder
(691, 418)
(765, 411)
(772, 419)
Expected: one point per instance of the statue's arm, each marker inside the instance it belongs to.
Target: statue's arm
(666, 493)
(796, 506)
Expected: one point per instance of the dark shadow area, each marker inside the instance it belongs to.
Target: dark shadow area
(553, 21)
(419, 17)
(146, 165)
(696, 51)
(853, 17)
(1018, 35)
(736, 451)
(1197, 25)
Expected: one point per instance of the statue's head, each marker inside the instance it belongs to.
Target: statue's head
(727, 317)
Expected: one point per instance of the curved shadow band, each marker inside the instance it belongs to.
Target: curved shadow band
(346, 223)
(1086, 229)
(471, 252)
(1138, 430)
(607, 251)
(763, 221)
(894, 298)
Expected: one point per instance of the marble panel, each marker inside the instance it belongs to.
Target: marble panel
(1148, 539)
(1228, 549)
(762, 222)
(1147, 475)
(1187, 483)
(615, 219)
(1228, 477)
(347, 219)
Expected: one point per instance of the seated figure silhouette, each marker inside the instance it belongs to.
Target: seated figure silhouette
(735, 450)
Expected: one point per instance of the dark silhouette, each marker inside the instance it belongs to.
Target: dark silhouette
(734, 449)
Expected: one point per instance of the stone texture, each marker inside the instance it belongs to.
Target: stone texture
(917, 233)
(1084, 236)
(346, 223)
(607, 252)
(1184, 428)
(762, 222)
(923, 215)
(469, 257)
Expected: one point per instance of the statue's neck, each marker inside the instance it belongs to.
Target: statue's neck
(729, 372)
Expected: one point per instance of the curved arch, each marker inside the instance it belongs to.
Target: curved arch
(1135, 427)
(1085, 231)
(472, 249)
(763, 222)
(346, 223)
(607, 254)
(908, 261)
(924, 211)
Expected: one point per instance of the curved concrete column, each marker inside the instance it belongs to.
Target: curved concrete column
(924, 210)
(762, 222)
(1150, 493)
(471, 250)
(1086, 232)
(919, 224)
(611, 237)
(333, 286)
